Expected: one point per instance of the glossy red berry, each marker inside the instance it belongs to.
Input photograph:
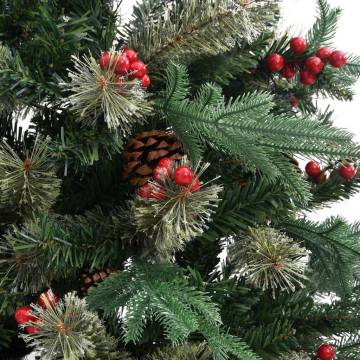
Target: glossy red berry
(196, 185)
(288, 71)
(131, 54)
(145, 191)
(165, 162)
(347, 171)
(323, 53)
(122, 65)
(23, 315)
(161, 173)
(51, 299)
(313, 169)
(183, 176)
(275, 62)
(138, 69)
(337, 59)
(145, 81)
(307, 77)
(32, 330)
(104, 60)
(314, 64)
(298, 45)
(326, 352)
(294, 101)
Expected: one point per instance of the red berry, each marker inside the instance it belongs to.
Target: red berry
(32, 330)
(195, 186)
(104, 61)
(23, 315)
(145, 81)
(51, 298)
(314, 64)
(347, 171)
(307, 78)
(298, 45)
(326, 352)
(288, 71)
(138, 68)
(319, 179)
(131, 54)
(165, 162)
(313, 169)
(122, 65)
(337, 59)
(145, 191)
(161, 173)
(323, 53)
(158, 194)
(183, 176)
(275, 62)
(294, 101)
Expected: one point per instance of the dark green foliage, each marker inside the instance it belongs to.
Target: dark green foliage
(48, 248)
(242, 207)
(45, 37)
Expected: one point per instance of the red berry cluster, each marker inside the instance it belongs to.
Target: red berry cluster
(309, 67)
(313, 169)
(326, 352)
(126, 63)
(24, 314)
(166, 170)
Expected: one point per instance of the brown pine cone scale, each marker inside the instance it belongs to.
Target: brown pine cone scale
(144, 151)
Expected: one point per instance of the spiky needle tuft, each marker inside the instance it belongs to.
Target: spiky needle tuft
(270, 259)
(97, 92)
(70, 331)
(30, 183)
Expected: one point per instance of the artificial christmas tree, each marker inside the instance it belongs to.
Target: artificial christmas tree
(166, 148)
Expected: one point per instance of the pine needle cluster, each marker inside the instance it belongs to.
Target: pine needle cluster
(68, 330)
(184, 214)
(96, 92)
(28, 183)
(184, 352)
(270, 259)
(186, 29)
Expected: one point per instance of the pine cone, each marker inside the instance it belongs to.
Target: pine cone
(144, 151)
(93, 277)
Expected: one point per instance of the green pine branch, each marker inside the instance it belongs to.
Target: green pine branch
(323, 31)
(185, 30)
(47, 248)
(244, 128)
(335, 249)
(161, 292)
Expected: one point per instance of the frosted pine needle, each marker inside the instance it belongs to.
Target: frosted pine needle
(28, 183)
(97, 92)
(69, 330)
(171, 222)
(269, 259)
